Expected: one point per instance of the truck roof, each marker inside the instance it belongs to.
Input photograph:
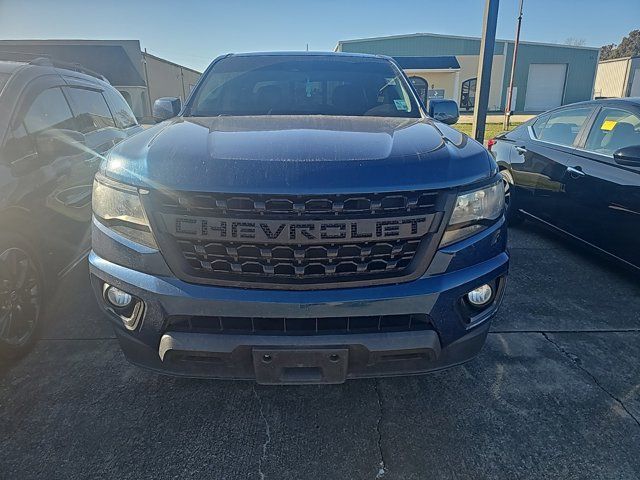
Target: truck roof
(310, 54)
(11, 62)
(9, 66)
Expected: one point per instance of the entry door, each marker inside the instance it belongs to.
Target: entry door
(421, 86)
(468, 94)
(545, 86)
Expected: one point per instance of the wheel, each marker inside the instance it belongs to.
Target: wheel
(21, 296)
(511, 213)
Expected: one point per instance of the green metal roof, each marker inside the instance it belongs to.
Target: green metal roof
(427, 63)
(431, 44)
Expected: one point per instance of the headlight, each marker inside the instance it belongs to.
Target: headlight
(474, 211)
(118, 206)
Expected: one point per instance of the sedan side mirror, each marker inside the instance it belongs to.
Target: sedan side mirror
(445, 111)
(628, 156)
(166, 107)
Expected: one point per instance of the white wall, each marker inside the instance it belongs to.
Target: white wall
(438, 80)
(469, 69)
(166, 79)
(137, 99)
(610, 78)
(451, 81)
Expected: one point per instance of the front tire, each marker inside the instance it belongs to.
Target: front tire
(511, 212)
(21, 296)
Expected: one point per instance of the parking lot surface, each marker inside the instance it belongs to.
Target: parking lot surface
(554, 394)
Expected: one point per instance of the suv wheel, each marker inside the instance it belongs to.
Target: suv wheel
(513, 217)
(21, 296)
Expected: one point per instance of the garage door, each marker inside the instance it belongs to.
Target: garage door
(635, 86)
(545, 86)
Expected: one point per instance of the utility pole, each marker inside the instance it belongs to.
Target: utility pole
(507, 108)
(487, 45)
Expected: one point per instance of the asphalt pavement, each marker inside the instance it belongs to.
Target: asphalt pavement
(555, 393)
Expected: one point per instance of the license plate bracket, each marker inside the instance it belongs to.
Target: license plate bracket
(277, 366)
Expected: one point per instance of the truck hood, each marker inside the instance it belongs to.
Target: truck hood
(294, 154)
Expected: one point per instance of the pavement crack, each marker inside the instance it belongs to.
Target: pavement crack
(382, 466)
(576, 361)
(267, 431)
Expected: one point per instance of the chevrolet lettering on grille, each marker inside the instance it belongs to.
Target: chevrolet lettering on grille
(299, 231)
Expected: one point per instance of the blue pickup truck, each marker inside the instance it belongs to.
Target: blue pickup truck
(300, 219)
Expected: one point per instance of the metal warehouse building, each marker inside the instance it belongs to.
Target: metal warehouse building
(617, 78)
(444, 66)
(140, 77)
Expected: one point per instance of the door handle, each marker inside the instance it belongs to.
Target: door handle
(521, 150)
(575, 172)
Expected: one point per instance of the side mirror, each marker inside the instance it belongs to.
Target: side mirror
(629, 156)
(166, 107)
(445, 111)
(58, 143)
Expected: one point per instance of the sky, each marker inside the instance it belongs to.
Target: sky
(194, 32)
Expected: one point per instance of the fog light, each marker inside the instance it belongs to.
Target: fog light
(117, 297)
(480, 296)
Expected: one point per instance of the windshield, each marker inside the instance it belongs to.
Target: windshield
(303, 85)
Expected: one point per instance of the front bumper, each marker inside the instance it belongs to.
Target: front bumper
(319, 358)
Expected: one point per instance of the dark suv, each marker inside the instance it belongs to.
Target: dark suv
(56, 124)
(302, 220)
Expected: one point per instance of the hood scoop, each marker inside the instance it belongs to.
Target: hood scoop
(318, 138)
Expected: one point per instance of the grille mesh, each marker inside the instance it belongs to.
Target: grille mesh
(302, 261)
(210, 204)
(237, 261)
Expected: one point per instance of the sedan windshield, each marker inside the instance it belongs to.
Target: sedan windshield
(303, 85)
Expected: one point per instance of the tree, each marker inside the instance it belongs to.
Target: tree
(629, 47)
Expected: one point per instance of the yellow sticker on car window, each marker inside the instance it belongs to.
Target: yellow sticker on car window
(608, 125)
